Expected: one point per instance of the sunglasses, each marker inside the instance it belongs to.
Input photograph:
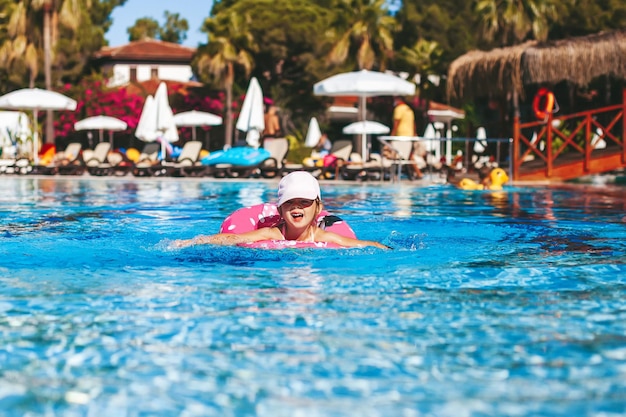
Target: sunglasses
(299, 202)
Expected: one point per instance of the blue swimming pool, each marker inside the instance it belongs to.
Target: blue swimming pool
(491, 304)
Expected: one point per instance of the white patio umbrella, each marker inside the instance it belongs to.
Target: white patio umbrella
(313, 134)
(36, 99)
(446, 116)
(252, 116)
(196, 118)
(364, 84)
(157, 120)
(366, 127)
(102, 123)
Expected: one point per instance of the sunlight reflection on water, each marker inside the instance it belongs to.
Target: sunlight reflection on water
(490, 303)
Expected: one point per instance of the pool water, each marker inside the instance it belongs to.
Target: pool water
(490, 304)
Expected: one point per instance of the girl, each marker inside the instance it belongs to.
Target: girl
(299, 204)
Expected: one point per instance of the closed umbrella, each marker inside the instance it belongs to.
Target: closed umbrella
(313, 134)
(252, 116)
(36, 99)
(157, 120)
(363, 84)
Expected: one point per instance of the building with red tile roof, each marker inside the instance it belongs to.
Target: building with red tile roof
(144, 60)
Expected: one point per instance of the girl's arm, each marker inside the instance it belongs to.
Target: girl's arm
(326, 236)
(228, 239)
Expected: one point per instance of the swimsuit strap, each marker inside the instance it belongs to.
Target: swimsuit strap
(327, 221)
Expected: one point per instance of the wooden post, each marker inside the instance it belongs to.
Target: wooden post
(515, 160)
(588, 148)
(549, 165)
(624, 126)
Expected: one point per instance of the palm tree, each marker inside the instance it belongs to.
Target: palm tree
(230, 46)
(423, 58)
(510, 22)
(27, 41)
(364, 27)
(20, 49)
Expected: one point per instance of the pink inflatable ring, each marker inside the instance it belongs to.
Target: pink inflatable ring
(266, 215)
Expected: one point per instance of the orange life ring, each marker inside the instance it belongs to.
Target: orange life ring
(543, 104)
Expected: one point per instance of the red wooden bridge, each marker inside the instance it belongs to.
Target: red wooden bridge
(571, 146)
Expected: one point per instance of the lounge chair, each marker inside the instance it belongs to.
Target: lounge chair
(148, 159)
(69, 159)
(96, 161)
(397, 156)
(372, 169)
(278, 148)
(187, 163)
(338, 157)
(117, 164)
(268, 164)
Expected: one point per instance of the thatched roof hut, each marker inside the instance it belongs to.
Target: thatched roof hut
(507, 70)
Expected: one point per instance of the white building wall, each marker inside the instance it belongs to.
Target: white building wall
(121, 73)
(180, 73)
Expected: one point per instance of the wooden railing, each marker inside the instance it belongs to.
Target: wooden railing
(567, 146)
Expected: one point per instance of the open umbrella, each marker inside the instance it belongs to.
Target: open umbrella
(252, 117)
(195, 118)
(364, 84)
(366, 127)
(36, 99)
(446, 116)
(101, 123)
(313, 134)
(157, 120)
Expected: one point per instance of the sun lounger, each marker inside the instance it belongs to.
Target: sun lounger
(338, 156)
(187, 163)
(148, 159)
(249, 162)
(97, 163)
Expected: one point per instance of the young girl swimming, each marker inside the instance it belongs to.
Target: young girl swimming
(299, 204)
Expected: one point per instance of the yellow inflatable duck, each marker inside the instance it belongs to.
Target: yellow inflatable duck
(494, 181)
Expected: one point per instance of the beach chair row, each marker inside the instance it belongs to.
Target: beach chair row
(102, 161)
(242, 162)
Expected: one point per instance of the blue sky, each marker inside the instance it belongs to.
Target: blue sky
(195, 11)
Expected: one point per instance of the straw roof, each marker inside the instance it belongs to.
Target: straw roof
(503, 70)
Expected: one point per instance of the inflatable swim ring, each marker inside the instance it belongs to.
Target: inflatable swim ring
(497, 178)
(242, 156)
(266, 215)
(543, 103)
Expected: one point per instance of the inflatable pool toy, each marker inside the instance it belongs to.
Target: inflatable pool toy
(241, 156)
(285, 244)
(133, 154)
(496, 178)
(266, 215)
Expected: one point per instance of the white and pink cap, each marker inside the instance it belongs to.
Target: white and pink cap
(298, 184)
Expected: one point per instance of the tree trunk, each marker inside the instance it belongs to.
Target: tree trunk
(230, 77)
(47, 67)
(228, 141)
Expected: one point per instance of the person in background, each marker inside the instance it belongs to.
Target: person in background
(299, 204)
(404, 125)
(272, 124)
(323, 146)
